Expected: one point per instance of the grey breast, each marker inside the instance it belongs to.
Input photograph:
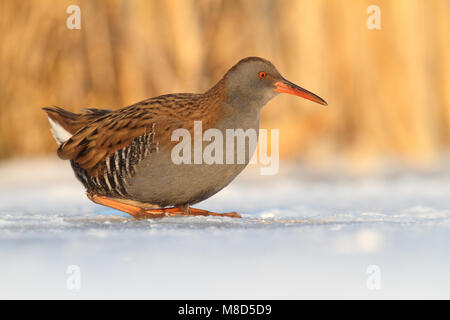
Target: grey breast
(158, 180)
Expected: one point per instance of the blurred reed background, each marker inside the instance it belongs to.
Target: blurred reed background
(388, 90)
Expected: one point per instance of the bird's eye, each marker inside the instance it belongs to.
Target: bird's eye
(262, 74)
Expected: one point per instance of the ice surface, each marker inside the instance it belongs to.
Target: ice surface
(302, 236)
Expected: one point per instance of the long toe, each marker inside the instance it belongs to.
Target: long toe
(161, 213)
(228, 214)
(200, 212)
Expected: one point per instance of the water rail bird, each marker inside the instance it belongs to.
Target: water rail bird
(123, 157)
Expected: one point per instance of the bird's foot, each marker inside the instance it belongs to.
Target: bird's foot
(186, 212)
(140, 213)
(200, 212)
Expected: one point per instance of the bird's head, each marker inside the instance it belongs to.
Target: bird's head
(254, 81)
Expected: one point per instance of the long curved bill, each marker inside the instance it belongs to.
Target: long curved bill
(286, 86)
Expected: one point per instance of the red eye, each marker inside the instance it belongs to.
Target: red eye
(262, 74)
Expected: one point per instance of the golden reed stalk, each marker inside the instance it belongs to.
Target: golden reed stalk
(388, 90)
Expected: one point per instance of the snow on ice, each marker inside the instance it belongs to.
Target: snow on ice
(302, 236)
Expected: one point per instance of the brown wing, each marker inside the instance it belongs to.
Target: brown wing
(91, 145)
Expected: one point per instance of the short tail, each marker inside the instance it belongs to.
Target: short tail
(65, 123)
